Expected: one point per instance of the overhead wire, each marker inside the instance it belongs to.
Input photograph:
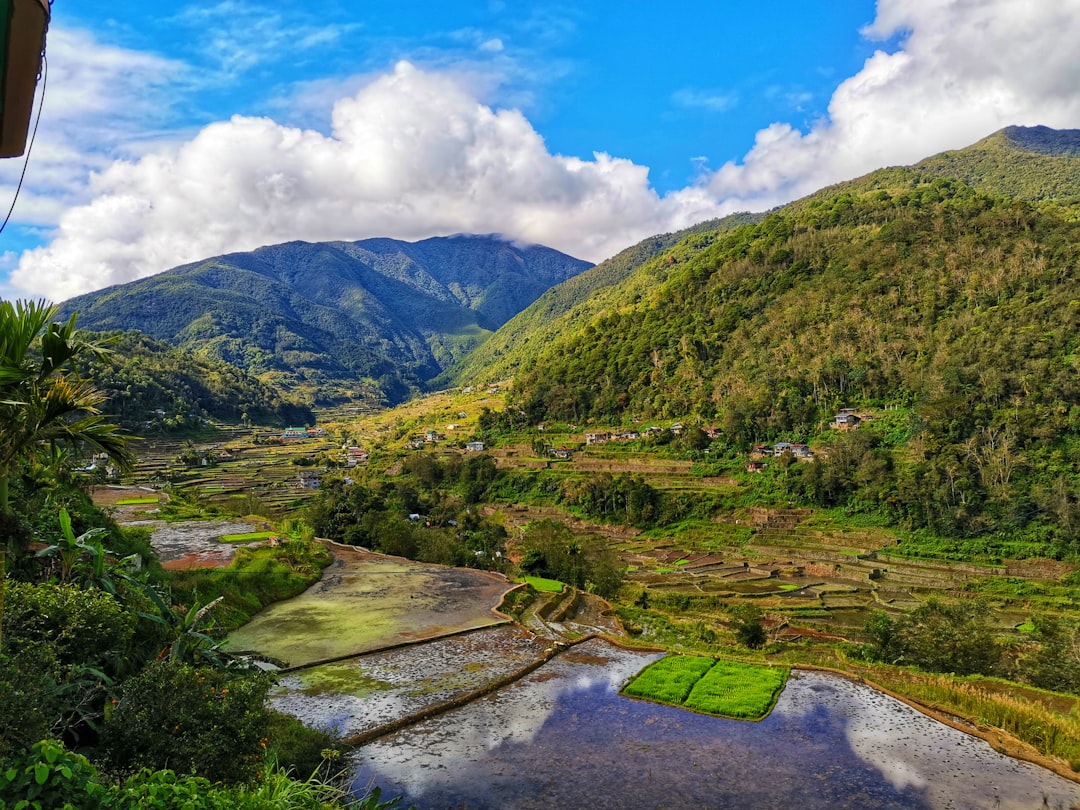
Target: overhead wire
(33, 135)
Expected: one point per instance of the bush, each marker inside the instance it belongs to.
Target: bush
(195, 721)
(49, 777)
(82, 627)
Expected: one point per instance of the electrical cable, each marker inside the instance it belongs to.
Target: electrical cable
(33, 135)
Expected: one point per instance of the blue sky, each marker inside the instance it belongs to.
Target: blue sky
(175, 131)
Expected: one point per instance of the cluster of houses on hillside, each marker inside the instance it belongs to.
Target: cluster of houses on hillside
(296, 434)
(633, 435)
(844, 419)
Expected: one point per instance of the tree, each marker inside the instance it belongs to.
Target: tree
(44, 403)
(749, 627)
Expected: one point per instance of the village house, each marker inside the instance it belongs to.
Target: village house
(308, 479)
(596, 438)
(294, 433)
(756, 467)
(760, 451)
(355, 455)
(846, 419)
(562, 452)
(315, 433)
(474, 447)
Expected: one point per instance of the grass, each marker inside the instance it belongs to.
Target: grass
(1051, 732)
(247, 537)
(740, 691)
(545, 585)
(721, 688)
(137, 501)
(670, 679)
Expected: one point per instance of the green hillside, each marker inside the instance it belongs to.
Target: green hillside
(365, 320)
(501, 355)
(1029, 163)
(954, 307)
(154, 387)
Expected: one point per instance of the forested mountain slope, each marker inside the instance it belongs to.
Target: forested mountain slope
(154, 387)
(335, 317)
(902, 289)
(501, 355)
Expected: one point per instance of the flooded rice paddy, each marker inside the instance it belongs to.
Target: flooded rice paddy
(563, 736)
(365, 601)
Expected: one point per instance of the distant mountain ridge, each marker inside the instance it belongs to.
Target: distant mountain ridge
(336, 317)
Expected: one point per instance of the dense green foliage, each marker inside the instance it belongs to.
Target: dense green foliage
(255, 578)
(1029, 163)
(895, 291)
(50, 777)
(153, 386)
(426, 516)
(938, 637)
(525, 335)
(368, 321)
(550, 550)
(198, 721)
(723, 688)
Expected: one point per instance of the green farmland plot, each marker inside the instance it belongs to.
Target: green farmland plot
(545, 585)
(247, 537)
(741, 691)
(670, 679)
(722, 688)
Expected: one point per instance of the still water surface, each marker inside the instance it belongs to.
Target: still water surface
(563, 737)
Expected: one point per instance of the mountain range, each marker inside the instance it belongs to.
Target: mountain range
(337, 320)
(741, 310)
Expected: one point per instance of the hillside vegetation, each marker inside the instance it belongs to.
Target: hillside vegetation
(338, 321)
(501, 355)
(154, 387)
(902, 290)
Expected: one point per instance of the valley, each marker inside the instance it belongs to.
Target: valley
(457, 492)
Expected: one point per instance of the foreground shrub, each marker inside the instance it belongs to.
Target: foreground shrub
(195, 721)
(49, 777)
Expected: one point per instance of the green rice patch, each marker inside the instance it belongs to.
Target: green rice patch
(669, 680)
(721, 688)
(341, 679)
(740, 691)
(249, 537)
(545, 585)
(137, 501)
(682, 562)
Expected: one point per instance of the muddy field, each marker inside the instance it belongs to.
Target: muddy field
(365, 601)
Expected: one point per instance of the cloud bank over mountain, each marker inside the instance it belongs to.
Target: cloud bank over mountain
(415, 153)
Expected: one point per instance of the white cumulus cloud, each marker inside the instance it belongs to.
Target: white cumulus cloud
(414, 153)
(966, 68)
(411, 155)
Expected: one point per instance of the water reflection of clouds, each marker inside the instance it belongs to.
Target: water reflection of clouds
(862, 745)
(913, 751)
(513, 716)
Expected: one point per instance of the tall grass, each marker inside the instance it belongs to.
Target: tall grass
(1050, 732)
